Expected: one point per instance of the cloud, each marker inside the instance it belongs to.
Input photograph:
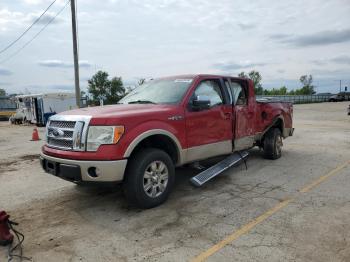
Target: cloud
(320, 62)
(246, 26)
(341, 60)
(62, 64)
(32, 2)
(5, 72)
(5, 83)
(230, 66)
(279, 36)
(36, 2)
(317, 39)
(330, 73)
(45, 18)
(10, 19)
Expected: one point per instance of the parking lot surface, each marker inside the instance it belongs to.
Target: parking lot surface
(296, 208)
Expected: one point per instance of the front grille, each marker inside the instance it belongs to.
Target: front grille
(66, 144)
(60, 134)
(62, 124)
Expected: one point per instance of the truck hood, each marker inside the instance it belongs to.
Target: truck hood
(121, 111)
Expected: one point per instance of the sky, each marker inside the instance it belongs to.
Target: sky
(153, 38)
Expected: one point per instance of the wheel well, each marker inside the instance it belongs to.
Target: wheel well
(161, 142)
(279, 124)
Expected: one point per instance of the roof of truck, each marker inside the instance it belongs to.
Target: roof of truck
(191, 76)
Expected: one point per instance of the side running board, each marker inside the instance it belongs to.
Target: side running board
(218, 168)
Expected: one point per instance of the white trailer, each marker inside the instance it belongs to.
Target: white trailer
(38, 108)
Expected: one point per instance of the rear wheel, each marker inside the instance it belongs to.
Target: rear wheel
(273, 143)
(149, 178)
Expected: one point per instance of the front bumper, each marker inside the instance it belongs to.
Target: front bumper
(288, 131)
(83, 170)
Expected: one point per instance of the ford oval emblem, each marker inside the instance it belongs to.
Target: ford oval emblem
(57, 133)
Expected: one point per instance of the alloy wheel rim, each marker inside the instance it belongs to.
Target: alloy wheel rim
(279, 144)
(155, 179)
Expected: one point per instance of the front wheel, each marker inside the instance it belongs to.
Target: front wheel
(150, 176)
(273, 144)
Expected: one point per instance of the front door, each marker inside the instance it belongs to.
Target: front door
(209, 131)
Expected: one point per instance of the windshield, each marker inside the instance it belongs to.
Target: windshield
(161, 91)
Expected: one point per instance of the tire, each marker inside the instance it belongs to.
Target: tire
(149, 178)
(273, 144)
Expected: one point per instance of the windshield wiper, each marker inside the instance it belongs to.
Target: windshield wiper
(141, 102)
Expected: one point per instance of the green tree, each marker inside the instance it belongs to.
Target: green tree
(243, 75)
(276, 91)
(2, 92)
(100, 87)
(308, 88)
(116, 90)
(255, 76)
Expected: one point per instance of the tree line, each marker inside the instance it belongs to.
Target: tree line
(306, 89)
(111, 90)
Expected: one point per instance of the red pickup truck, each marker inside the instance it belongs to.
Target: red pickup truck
(162, 124)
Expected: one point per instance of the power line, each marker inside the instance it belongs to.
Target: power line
(36, 35)
(36, 20)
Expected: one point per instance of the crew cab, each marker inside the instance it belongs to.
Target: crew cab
(162, 124)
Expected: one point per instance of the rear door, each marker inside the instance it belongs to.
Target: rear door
(243, 115)
(209, 131)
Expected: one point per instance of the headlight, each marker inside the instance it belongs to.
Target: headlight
(102, 135)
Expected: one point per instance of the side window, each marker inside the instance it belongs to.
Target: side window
(211, 89)
(239, 94)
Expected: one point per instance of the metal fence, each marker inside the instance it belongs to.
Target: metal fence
(299, 99)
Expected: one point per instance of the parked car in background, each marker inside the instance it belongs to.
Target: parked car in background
(324, 94)
(342, 96)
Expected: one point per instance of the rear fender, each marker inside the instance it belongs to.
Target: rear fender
(277, 122)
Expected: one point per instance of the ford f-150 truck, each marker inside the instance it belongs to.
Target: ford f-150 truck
(162, 124)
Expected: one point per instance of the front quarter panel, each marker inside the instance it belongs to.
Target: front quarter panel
(172, 128)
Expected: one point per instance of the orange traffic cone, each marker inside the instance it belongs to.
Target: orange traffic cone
(35, 135)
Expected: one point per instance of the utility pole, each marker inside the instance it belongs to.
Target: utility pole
(339, 85)
(75, 53)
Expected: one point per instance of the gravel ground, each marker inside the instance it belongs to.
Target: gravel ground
(65, 222)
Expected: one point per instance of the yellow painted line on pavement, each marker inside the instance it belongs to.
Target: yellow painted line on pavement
(246, 228)
(323, 178)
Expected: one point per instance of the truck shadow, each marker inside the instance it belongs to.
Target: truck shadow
(112, 196)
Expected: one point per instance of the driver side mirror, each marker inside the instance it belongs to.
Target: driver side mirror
(201, 103)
